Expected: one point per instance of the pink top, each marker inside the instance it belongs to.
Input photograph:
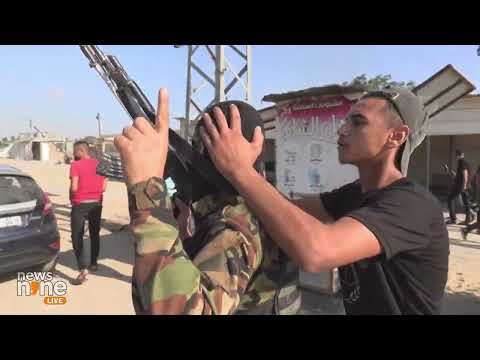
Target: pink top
(90, 185)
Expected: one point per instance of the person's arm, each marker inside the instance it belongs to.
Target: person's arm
(448, 171)
(73, 180)
(166, 281)
(465, 179)
(313, 205)
(313, 244)
(73, 186)
(105, 182)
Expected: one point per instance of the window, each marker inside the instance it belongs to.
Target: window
(18, 189)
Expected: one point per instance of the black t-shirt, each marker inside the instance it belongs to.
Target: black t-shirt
(410, 275)
(462, 165)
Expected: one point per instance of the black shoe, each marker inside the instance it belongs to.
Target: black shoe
(451, 222)
(464, 233)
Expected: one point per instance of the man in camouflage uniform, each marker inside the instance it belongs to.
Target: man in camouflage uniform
(228, 266)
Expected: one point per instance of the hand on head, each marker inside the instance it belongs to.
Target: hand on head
(229, 150)
(144, 148)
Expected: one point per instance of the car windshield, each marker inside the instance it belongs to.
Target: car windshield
(18, 189)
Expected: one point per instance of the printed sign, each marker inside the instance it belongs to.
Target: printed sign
(307, 156)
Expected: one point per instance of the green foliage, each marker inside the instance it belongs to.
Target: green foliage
(378, 82)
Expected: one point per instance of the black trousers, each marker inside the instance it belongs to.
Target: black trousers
(80, 213)
(452, 197)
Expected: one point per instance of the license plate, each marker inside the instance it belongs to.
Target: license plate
(10, 221)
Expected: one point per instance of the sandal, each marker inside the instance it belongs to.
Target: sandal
(80, 279)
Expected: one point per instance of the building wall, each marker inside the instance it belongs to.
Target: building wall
(21, 150)
(57, 152)
(462, 118)
(44, 151)
(443, 152)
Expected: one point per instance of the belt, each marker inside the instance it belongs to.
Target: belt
(90, 202)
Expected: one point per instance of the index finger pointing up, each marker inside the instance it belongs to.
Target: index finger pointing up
(163, 113)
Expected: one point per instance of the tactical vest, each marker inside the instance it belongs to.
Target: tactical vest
(273, 287)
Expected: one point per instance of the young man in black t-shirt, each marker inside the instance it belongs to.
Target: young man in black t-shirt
(386, 233)
(460, 187)
(409, 276)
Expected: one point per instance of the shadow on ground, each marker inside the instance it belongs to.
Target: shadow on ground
(9, 276)
(466, 244)
(459, 206)
(461, 303)
(117, 246)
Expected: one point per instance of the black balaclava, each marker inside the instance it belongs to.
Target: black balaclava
(250, 119)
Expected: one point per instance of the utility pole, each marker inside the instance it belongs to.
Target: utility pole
(99, 121)
(222, 65)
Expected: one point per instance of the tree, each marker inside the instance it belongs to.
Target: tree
(378, 82)
(12, 138)
(5, 139)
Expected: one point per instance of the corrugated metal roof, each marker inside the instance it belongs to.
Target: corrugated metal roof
(332, 89)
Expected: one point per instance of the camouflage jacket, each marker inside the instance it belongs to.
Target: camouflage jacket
(229, 265)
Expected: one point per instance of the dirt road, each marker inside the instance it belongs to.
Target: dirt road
(108, 290)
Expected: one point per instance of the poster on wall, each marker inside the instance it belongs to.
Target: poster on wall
(307, 163)
(307, 155)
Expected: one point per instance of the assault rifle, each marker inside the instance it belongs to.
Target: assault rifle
(184, 164)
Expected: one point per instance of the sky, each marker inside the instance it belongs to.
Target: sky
(54, 87)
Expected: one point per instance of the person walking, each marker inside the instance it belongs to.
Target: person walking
(86, 195)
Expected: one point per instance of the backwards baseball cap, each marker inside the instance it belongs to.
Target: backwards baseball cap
(413, 114)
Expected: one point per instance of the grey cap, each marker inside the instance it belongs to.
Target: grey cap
(411, 109)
